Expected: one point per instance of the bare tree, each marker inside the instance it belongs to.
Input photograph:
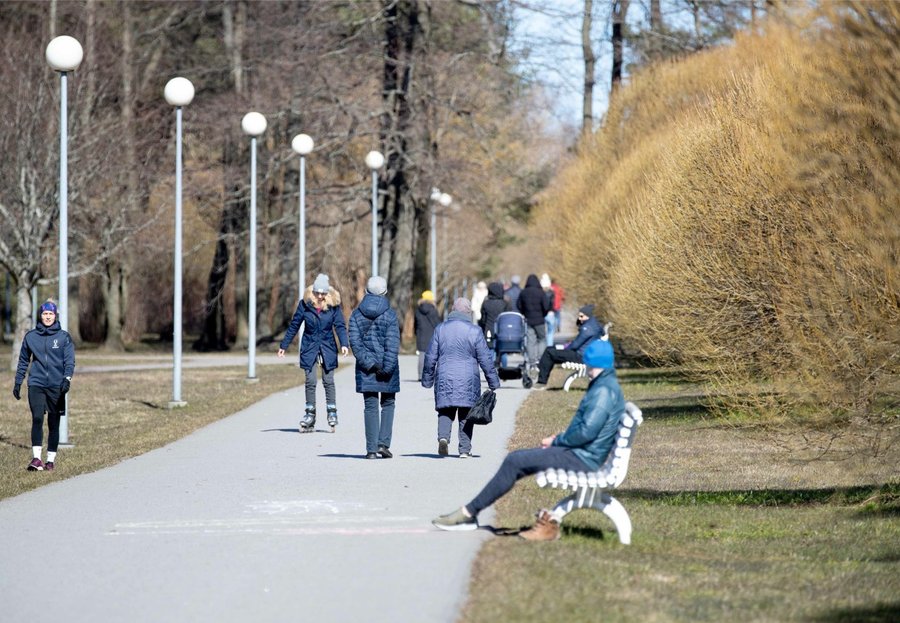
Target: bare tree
(587, 50)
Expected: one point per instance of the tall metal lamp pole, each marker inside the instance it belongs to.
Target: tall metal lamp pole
(303, 145)
(374, 160)
(179, 92)
(64, 54)
(253, 124)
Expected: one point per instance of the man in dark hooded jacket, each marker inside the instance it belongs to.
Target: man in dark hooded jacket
(533, 304)
(493, 306)
(588, 330)
(425, 321)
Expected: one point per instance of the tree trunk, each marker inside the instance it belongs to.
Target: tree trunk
(24, 282)
(221, 290)
(656, 20)
(399, 212)
(698, 30)
(112, 303)
(587, 49)
(619, 13)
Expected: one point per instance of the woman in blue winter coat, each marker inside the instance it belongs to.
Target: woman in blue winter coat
(456, 352)
(321, 315)
(49, 351)
(375, 340)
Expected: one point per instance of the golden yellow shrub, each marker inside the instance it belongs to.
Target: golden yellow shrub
(739, 214)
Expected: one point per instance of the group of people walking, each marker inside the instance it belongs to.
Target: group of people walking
(453, 356)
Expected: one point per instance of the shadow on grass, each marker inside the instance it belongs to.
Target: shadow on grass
(873, 500)
(670, 409)
(7, 441)
(146, 403)
(662, 375)
(878, 613)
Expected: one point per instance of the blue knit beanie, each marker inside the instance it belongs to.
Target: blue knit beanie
(599, 354)
(49, 306)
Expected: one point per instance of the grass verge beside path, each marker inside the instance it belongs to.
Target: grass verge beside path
(118, 415)
(730, 524)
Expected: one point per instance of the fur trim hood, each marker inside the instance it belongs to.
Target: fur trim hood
(332, 299)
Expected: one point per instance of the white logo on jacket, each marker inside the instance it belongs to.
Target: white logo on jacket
(55, 343)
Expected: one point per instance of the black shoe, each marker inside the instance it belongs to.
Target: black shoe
(443, 447)
(372, 455)
(385, 452)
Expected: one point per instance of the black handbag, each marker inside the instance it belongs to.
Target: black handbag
(482, 412)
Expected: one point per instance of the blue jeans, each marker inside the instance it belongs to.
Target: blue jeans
(378, 427)
(523, 463)
(550, 324)
(445, 426)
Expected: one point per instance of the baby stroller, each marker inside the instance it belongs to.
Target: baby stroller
(509, 345)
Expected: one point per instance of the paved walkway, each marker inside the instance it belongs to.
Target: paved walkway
(248, 520)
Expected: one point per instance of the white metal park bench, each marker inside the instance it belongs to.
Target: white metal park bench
(579, 370)
(591, 489)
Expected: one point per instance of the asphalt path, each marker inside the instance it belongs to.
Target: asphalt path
(249, 520)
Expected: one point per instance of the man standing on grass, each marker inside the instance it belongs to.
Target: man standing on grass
(583, 447)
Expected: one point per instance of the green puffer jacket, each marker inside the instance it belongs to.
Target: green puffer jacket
(593, 429)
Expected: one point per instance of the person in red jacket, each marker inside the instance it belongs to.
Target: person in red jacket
(559, 297)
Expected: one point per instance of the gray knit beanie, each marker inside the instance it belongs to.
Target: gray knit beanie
(376, 285)
(321, 283)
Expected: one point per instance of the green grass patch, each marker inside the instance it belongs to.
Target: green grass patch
(730, 524)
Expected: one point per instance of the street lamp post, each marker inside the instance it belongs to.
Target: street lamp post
(253, 124)
(303, 145)
(179, 92)
(374, 160)
(445, 200)
(64, 54)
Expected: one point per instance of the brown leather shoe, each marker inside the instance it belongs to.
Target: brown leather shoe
(546, 528)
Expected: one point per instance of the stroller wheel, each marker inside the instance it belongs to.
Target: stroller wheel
(526, 381)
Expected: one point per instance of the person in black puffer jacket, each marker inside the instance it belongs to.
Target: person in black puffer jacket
(534, 306)
(49, 351)
(425, 320)
(493, 306)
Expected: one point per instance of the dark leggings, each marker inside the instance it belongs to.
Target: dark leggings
(523, 463)
(52, 402)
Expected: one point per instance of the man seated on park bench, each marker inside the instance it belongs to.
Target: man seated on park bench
(588, 329)
(583, 447)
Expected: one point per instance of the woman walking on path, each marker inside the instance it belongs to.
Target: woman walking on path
(375, 339)
(451, 367)
(534, 306)
(321, 315)
(425, 320)
(50, 353)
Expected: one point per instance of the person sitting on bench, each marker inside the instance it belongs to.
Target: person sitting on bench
(588, 330)
(583, 447)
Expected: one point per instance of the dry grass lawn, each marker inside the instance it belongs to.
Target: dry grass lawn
(117, 415)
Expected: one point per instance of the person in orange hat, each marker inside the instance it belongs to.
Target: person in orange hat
(425, 321)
